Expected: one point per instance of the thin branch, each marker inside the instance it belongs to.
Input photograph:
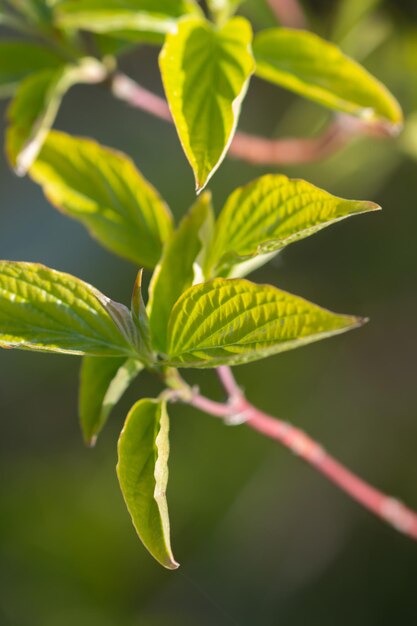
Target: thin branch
(386, 508)
(250, 148)
(288, 13)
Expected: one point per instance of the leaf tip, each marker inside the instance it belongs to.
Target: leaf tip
(360, 321)
(172, 564)
(90, 441)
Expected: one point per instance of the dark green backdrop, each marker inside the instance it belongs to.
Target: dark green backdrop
(262, 539)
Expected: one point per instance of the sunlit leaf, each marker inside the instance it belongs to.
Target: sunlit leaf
(205, 71)
(318, 70)
(36, 104)
(49, 311)
(104, 190)
(180, 266)
(233, 321)
(103, 381)
(222, 10)
(143, 475)
(19, 59)
(268, 214)
(131, 19)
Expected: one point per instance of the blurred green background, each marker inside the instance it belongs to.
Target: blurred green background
(261, 538)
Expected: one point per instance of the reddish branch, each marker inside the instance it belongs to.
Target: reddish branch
(238, 410)
(250, 148)
(288, 13)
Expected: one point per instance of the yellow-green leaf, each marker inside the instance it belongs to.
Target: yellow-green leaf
(318, 70)
(222, 10)
(104, 190)
(36, 104)
(233, 321)
(130, 19)
(205, 71)
(142, 470)
(180, 266)
(103, 381)
(268, 214)
(49, 311)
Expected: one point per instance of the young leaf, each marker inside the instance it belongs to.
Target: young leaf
(36, 104)
(228, 322)
(103, 381)
(18, 59)
(268, 214)
(180, 267)
(318, 70)
(131, 19)
(142, 470)
(222, 10)
(104, 190)
(205, 71)
(140, 317)
(49, 311)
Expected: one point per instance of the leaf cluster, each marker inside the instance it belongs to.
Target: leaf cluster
(201, 311)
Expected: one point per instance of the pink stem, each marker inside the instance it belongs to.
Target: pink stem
(386, 508)
(250, 148)
(288, 13)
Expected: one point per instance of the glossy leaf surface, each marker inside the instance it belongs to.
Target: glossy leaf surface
(205, 71)
(316, 69)
(49, 311)
(104, 190)
(268, 214)
(233, 321)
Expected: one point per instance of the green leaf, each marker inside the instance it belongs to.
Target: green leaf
(37, 11)
(49, 311)
(103, 381)
(140, 317)
(318, 70)
(268, 214)
(131, 19)
(222, 10)
(180, 267)
(233, 321)
(36, 104)
(18, 59)
(143, 475)
(104, 191)
(206, 71)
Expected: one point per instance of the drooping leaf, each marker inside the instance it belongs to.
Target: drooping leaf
(19, 59)
(205, 71)
(318, 70)
(180, 266)
(49, 311)
(233, 321)
(268, 214)
(104, 190)
(103, 381)
(142, 470)
(147, 20)
(36, 104)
